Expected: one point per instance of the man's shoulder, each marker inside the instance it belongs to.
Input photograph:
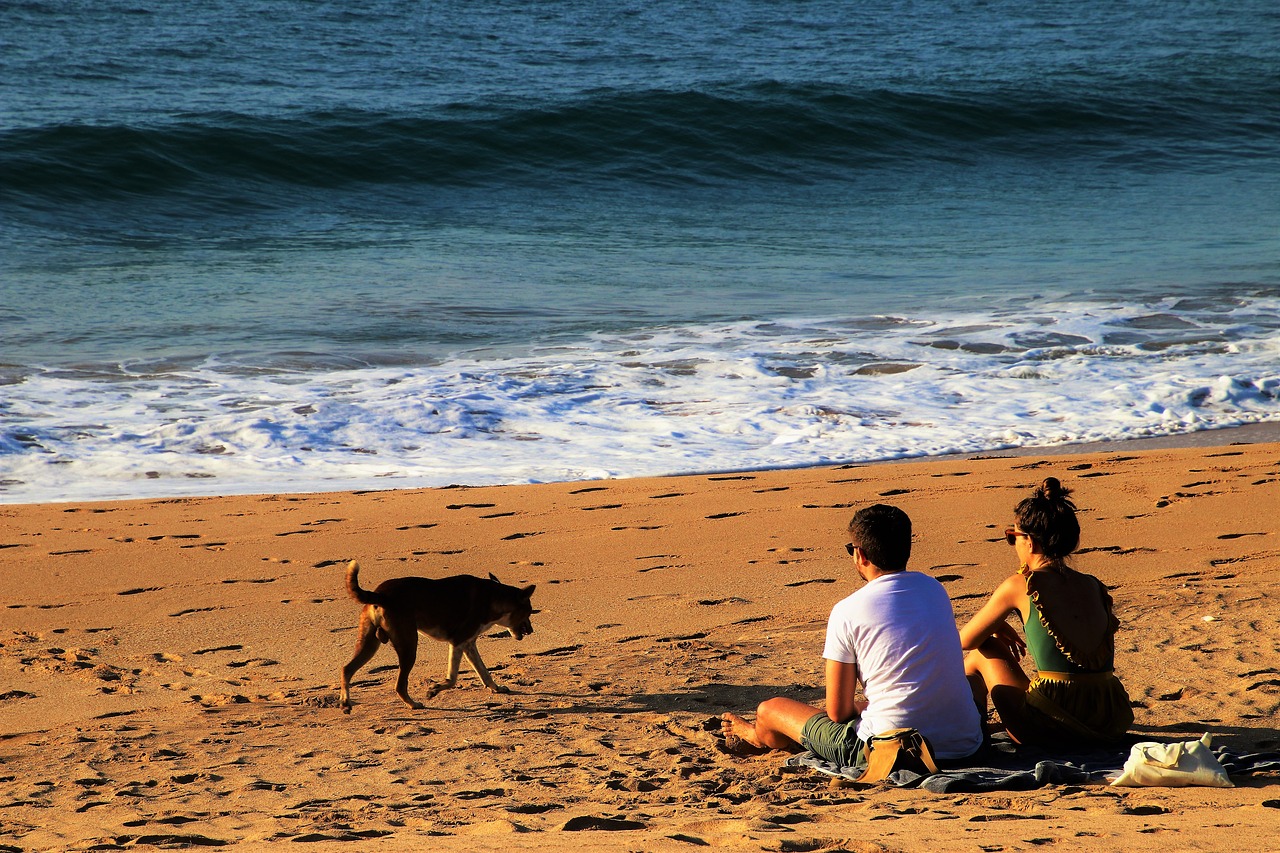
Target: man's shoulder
(905, 579)
(889, 590)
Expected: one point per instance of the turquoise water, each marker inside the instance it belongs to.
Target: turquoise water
(292, 231)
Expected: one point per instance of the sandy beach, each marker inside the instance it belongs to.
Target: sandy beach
(169, 668)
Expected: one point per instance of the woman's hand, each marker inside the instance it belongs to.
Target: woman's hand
(1009, 640)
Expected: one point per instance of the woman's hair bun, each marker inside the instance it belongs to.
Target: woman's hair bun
(1052, 490)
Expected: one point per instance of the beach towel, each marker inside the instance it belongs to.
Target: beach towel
(1005, 766)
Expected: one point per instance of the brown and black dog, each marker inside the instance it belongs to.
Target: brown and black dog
(456, 610)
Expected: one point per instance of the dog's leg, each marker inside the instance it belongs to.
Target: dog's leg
(366, 645)
(450, 671)
(473, 656)
(404, 638)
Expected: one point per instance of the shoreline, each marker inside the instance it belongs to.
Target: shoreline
(178, 658)
(1257, 433)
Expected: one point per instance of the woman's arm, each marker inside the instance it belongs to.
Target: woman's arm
(990, 620)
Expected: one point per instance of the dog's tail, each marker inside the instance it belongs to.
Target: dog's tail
(364, 596)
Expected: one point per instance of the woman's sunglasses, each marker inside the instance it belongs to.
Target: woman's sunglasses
(1011, 535)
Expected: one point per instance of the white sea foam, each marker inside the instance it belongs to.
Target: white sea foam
(659, 401)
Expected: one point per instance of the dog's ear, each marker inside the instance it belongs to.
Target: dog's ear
(528, 590)
(494, 578)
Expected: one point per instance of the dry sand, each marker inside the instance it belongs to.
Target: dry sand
(168, 668)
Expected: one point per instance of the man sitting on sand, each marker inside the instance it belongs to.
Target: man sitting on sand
(898, 636)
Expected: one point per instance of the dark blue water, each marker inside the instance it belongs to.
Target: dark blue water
(311, 187)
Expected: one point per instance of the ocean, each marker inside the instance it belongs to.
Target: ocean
(289, 245)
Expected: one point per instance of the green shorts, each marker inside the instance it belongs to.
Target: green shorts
(836, 742)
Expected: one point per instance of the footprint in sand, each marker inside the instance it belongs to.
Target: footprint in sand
(140, 589)
(470, 506)
(667, 495)
(232, 648)
(425, 526)
(726, 515)
(522, 535)
(665, 566)
(640, 527)
(589, 489)
(774, 489)
(499, 514)
(1238, 535)
(191, 610)
(807, 582)
(602, 506)
(731, 477)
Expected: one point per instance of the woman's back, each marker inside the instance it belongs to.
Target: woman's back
(1073, 610)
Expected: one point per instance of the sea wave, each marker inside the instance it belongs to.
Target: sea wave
(663, 400)
(767, 131)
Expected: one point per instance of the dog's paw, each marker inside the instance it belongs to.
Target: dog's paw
(498, 688)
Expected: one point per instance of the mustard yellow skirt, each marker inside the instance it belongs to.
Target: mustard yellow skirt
(1090, 707)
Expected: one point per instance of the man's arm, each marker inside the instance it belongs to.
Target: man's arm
(842, 688)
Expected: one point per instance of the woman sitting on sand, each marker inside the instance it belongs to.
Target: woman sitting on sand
(1070, 630)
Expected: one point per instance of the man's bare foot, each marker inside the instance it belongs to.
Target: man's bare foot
(740, 736)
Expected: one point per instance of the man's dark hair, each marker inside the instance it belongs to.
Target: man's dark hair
(883, 534)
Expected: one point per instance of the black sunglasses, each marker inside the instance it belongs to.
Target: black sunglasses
(850, 547)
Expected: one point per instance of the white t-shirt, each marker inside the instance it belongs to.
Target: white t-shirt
(901, 633)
